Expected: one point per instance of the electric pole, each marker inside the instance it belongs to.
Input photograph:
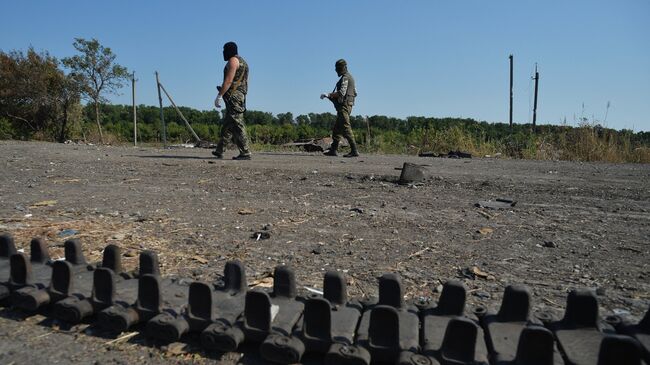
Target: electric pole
(162, 115)
(135, 118)
(536, 78)
(511, 91)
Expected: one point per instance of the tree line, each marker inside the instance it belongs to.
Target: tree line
(38, 98)
(43, 98)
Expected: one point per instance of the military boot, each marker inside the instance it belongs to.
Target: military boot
(353, 149)
(216, 153)
(332, 150)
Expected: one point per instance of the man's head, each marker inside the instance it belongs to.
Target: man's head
(341, 67)
(229, 50)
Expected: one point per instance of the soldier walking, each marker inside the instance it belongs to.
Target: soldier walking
(233, 92)
(343, 99)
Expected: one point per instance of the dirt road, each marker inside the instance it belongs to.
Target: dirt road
(574, 225)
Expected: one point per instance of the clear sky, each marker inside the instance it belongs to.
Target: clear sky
(409, 58)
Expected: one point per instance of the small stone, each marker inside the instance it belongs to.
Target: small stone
(482, 294)
(550, 244)
(119, 236)
(261, 235)
(438, 289)
(485, 230)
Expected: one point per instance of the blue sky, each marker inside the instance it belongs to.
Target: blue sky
(420, 58)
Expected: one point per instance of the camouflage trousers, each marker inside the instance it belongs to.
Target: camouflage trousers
(342, 127)
(234, 129)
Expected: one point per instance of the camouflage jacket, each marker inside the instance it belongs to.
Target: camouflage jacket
(347, 91)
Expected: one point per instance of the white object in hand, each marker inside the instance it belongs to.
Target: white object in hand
(217, 102)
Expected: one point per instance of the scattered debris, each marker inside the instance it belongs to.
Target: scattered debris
(474, 272)
(175, 348)
(65, 181)
(312, 290)
(420, 252)
(487, 216)
(315, 144)
(122, 338)
(485, 230)
(261, 235)
(624, 248)
(621, 312)
(358, 210)
(264, 282)
(550, 244)
(246, 211)
(181, 145)
(44, 203)
(67, 232)
(482, 294)
(450, 154)
(411, 173)
(200, 259)
(498, 154)
(500, 203)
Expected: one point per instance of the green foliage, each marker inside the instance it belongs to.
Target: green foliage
(391, 135)
(36, 97)
(39, 101)
(6, 130)
(95, 73)
(95, 70)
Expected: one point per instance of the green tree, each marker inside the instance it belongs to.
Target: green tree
(96, 73)
(35, 94)
(285, 118)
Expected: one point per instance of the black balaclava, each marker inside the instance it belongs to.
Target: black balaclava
(341, 67)
(229, 50)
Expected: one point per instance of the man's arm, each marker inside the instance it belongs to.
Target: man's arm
(342, 91)
(231, 68)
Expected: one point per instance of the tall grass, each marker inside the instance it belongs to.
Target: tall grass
(587, 142)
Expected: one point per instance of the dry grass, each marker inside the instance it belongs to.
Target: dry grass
(588, 143)
(96, 232)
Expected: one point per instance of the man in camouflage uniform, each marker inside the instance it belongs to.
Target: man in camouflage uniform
(233, 92)
(343, 99)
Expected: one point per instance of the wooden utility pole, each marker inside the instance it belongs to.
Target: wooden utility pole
(196, 137)
(162, 115)
(368, 139)
(536, 78)
(135, 118)
(510, 91)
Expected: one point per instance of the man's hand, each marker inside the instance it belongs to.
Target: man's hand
(323, 96)
(218, 101)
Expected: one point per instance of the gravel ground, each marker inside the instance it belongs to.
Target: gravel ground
(574, 225)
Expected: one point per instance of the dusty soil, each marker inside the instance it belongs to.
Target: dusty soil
(574, 225)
